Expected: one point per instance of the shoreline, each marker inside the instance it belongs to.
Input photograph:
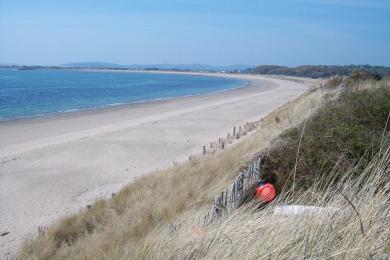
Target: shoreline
(107, 106)
(250, 86)
(52, 166)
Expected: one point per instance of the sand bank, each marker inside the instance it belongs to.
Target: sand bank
(53, 166)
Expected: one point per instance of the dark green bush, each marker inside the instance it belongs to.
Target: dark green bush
(345, 132)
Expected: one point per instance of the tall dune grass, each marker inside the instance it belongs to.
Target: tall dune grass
(354, 224)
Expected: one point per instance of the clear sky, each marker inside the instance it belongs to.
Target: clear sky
(217, 32)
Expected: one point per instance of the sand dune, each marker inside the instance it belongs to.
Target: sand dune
(53, 166)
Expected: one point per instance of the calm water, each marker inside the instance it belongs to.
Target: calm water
(25, 93)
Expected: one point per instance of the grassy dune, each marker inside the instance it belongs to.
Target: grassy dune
(134, 223)
(354, 225)
(348, 130)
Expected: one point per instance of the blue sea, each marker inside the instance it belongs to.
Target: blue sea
(27, 93)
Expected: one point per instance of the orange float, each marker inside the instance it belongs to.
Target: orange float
(266, 193)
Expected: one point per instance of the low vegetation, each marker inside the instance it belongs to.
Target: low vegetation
(346, 131)
(322, 71)
(352, 223)
(332, 144)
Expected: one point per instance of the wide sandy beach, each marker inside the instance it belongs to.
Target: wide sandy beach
(53, 166)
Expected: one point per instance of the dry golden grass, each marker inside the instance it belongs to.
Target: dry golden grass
(119, 227)
(354, 224)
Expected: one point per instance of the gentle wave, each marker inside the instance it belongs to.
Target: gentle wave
(44, 90)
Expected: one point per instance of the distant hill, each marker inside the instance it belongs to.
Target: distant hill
(319, 71)
(92, 65)
(185, 67)
(199, 67)
(311, 71)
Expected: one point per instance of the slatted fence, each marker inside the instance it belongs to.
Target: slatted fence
(222, 142)
(231, 198)
(236, 193)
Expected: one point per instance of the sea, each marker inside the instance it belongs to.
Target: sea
(43, 92)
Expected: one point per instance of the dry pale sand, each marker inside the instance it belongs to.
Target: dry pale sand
(53, 166)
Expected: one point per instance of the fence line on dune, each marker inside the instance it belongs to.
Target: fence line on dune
(231, 198)
(222, 142)
(236, 193)
(228, 199)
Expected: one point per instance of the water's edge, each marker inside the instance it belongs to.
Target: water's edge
(244, 83)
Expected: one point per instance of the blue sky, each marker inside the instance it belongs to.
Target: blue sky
(217, 32)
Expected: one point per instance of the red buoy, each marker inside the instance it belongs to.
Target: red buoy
(266, 193)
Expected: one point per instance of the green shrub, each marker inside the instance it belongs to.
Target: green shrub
(345, 132)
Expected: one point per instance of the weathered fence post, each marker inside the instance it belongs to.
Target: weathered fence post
(233, 195)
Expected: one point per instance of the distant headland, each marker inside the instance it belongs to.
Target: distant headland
(310, 71)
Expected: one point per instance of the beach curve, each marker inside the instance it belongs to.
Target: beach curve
(53, 166)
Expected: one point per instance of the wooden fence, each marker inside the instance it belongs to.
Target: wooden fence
(236, 194)
(222, 142)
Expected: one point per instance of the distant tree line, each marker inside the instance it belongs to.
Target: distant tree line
(322, 71)
(311, 71)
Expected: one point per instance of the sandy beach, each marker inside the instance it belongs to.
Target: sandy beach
(53, 166)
